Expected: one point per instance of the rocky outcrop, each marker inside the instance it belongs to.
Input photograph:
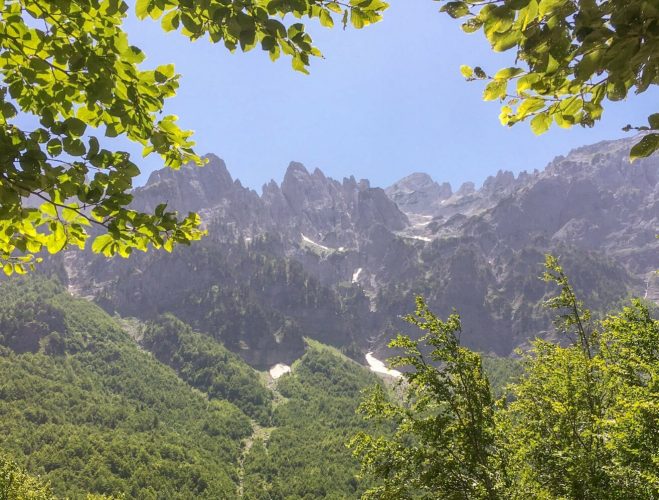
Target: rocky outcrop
(204, 187)
(419, 194)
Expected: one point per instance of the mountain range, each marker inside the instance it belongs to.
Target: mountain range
(341, 261)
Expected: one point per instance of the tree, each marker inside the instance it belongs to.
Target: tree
(15, 483)
(444, 445)
(572, 55)
(580, 422)
(69, 65)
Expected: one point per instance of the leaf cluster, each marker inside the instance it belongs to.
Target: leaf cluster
(68, 65)
(246, 25)
(445, 441)
(571, 56)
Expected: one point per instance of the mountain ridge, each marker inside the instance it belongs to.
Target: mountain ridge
(341, 260)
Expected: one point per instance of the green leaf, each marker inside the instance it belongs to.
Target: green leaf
(170, 21)
(57, 240)
(8, 269)
(142, 8)
(133, 55)
(75, 126)
(505, 41)
(74, 147)
(101, 243)
(653, 120)
(455, 9)
(472, 25)
(326, 19)
(496, 89)
(357, 19)
(529, 106)
(546, 6)
(94, 147)
(541, 123)
(467, 71)
(588, 65)
(49, 209)
(54, 147)
(298, 64)
(645, 147)
(507, 73)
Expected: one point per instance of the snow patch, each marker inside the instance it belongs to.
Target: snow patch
(278, 370)
(355, 275)
(378, 366)
(421, 238)
(312, 242)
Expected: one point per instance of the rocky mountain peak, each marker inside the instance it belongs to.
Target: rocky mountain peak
(415, 182)
(466, 189)
(418, 193)
(191, 188)
(503, 180)
(295, 172)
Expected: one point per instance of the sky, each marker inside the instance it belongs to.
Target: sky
(386, 101)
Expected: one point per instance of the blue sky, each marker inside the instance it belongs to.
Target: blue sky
(386, 101)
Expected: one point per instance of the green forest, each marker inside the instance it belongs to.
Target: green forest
(165, 412)
(578, 420)
(93, 405)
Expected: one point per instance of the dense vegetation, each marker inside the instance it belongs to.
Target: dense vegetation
(208, 366)
(82, 406)
(305, 455)
(84, 409)
(15, 483)
(580, 421)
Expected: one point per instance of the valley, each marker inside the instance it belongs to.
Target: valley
(233, 368)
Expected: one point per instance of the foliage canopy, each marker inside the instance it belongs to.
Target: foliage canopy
(580, 422)
(571, 55)
(69, 65)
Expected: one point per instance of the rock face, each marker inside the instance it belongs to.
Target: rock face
(593, 199)
(419, 194)
(327, 210)
(341, 261)
(205, 187)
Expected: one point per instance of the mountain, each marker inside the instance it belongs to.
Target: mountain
(340, 261)
(140, 377)
(593, 198)
(419, 194)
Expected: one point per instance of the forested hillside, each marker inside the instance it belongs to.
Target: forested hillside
(165, 412)
(82, 406)
(304, 455)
